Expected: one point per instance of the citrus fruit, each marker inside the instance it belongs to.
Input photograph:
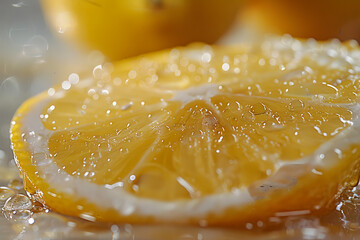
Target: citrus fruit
(127, 28)
(316, 19)
(197, 135)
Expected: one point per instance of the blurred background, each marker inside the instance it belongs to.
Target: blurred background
(43, 41)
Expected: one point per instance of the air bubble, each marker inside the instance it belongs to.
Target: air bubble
(18, 202)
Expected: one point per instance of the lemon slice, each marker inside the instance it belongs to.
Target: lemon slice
(199, 135)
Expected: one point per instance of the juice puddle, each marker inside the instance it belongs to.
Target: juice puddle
(23, 218)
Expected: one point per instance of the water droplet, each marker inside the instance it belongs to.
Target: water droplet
(35, 47)
(225, 67)
(258, 108)
(74, 78)
(296, 105)
(18, 202)
(5, 193)
(31, 221)
(206, 57)
(66, 85)
(272, 126)
(317, 232)
(16, 184)
(88, 217)
(115, 230)
(249, 226)
(248, 116)
(18, 4)
(126, 107)
(127, 209)
(37, 207)
(132, 74)
(51, 91)
(9, 87)
(18, 215)
(98, 72)
(261, 62)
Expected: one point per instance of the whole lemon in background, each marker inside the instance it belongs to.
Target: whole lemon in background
(122, 28)
(307, 18)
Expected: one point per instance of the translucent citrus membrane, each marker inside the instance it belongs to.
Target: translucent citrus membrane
(161, 139)
(168, 150)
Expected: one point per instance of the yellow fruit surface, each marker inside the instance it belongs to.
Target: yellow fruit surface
(125, 28)
(318, 19)
(199, 134)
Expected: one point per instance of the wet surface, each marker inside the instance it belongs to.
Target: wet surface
(29, 65)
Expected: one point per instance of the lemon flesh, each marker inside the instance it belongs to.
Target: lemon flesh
(197, 134)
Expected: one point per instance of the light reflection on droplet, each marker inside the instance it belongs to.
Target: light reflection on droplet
(98, 72)
(66, 85)
(88, 217)
(272, 126)
(31, 221)
(18, 4)
(74, 78)
(225, 67)
(51, 91)
(206, 57)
